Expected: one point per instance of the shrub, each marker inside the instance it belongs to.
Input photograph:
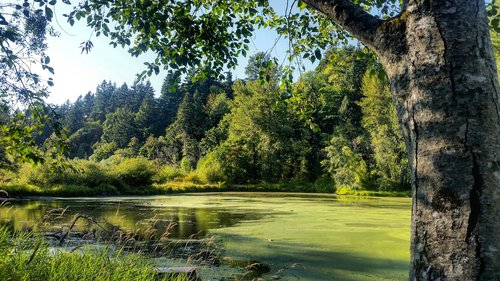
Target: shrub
(343, 190)
(192, 177)
(185, 165)
(135, 172)
(209, 169)
(103, 151)
(324, 184)
(91, 174)
(168, 173)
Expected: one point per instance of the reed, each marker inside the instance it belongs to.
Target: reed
(28, 256)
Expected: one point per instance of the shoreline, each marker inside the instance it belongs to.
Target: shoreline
(171, 188)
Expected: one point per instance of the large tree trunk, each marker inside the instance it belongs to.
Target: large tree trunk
(439, 58)
(445, 85)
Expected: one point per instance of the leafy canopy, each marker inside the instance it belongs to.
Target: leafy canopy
(212, 34)
(24, 27)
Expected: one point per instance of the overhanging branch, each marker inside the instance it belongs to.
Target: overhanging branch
(351, 17)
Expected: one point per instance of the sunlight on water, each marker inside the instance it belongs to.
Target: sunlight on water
(311, 237)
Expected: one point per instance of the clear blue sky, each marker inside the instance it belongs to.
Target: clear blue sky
(76, 73)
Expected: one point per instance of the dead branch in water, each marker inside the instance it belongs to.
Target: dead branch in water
(77, 217)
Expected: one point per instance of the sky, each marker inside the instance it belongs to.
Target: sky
(78, 73)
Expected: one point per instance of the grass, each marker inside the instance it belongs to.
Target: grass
(25, 256)
(373, 193)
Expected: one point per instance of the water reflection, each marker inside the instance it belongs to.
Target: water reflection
(334, 238)
(181, 222)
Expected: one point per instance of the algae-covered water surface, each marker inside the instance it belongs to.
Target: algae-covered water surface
(300, 236)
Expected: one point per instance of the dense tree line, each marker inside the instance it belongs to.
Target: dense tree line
(338, 123)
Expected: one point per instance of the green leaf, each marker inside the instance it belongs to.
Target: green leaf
(317, 54)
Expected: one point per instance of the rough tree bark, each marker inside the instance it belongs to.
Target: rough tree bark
(439, 58)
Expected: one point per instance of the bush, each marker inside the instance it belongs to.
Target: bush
(324, 184)
(185, 165)
(103, 151)
(343, 190)
(168, 173)
(80, 173)
(91, 174)
(135, 172)
(209, 169)
(192, 177)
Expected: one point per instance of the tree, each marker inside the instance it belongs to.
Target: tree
(81, 142)
(446, 91)
(146, 117)
(23, 32)
(259, 135)
(119, 127)
(102, 101)
(169, 101)
(261, 66)
(75, 117)
(380, 121)
(438, 57)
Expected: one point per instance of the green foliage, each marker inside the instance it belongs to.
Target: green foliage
(211, 34)
(185, 165)
(25, 256)
(242, 132)
(495, 39)
(380, 121)
(209, 168)
(324, 184)
(169, 173)
(133, 172)
(494, 16)
(262, 67)
(119, 127)
(82, 141)
(103, 150)
(112, 176)
(258, 134)
(346, 165)
(24, 114)
(83, 173)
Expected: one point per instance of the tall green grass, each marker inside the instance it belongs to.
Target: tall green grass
(24, 256)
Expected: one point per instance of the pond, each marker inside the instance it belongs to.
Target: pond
(300, 236)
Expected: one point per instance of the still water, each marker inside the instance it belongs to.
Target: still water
(300, 236)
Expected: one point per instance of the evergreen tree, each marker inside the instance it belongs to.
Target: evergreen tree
(146, 118)
(138, 93)
(119, 127)
(121, 98)
(102, 101)
(75, 117)
(169, 101)
(81, 142)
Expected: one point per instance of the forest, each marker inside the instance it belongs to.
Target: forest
(336, 130)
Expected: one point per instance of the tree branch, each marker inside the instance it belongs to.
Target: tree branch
(351, 17)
